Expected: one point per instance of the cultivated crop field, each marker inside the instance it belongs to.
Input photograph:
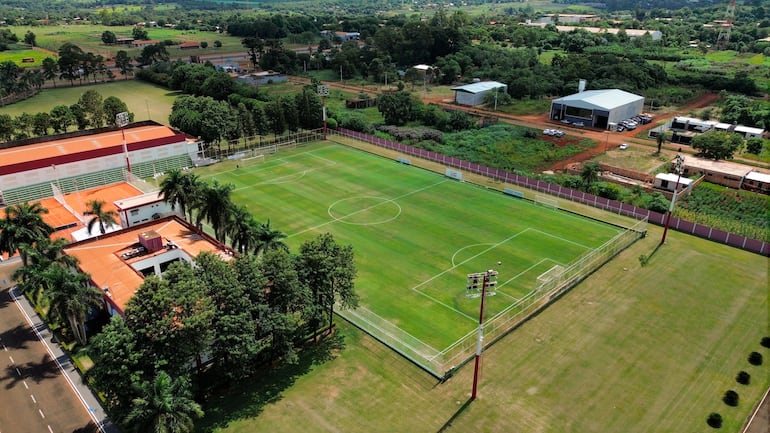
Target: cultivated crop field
(416, 234)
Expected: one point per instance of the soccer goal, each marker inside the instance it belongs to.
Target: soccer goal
(547, 201)
(252, 160)
(550, 274)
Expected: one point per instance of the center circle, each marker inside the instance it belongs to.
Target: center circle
(365, 210)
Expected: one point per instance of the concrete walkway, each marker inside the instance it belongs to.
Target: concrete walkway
(65, 364)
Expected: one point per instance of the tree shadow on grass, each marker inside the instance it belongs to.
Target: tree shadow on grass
(249, 397)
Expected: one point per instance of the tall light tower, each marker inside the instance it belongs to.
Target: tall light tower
(678, 166)
(724, 32)
(323, 90)
(122, 119)
(486, 283)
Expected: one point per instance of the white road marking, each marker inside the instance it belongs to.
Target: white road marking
(41, 413)
(18, 372)
(32, 396)
(11, 358)
(49, 428)
(25, 384)
(5, 348)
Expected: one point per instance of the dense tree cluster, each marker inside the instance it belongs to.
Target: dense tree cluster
(90, 111)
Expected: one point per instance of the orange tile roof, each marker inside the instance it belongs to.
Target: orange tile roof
(102, 257)
(65, 146)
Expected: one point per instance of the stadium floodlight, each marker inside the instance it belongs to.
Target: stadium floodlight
(122, 119)
(323, 90)
(678, 166)
(486, 282)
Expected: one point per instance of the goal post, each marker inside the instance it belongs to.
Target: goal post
(547, 201)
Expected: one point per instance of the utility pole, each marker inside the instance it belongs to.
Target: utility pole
(121, 119)
(678, 165)
(324, 92)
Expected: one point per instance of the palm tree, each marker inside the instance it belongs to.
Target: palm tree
(180, 188)
(100, 215)
(589, 174)
(163, 406)
(23, 225)
(70, 297)
(41, 256)
(269, 239)
(242, 229)
(215, 205)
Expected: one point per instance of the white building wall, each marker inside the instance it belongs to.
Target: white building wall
(145, 213)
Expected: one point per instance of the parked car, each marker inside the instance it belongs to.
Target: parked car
(621, 128)
(558, 133)
(623, 146)
(579, 124)
(548, 132)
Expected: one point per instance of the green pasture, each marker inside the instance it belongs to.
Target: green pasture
(145, 100)
(17, 56)
(416, 234)
(89, 38)
(631, 349)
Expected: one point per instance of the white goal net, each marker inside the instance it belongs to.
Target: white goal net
(547, 201)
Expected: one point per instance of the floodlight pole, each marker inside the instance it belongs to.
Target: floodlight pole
(324, 92)
(678, 164)
(480, 336)
(121, 119)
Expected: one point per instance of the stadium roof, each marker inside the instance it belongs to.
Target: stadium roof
(599, 99)
(479, 87)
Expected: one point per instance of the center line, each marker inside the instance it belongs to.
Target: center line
(11, 358)
(41, 413)
(32, 396)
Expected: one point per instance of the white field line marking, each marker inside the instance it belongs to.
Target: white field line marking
(289, 177)
(564, 240)
(32, 396)
(25, 384)
(58, 364)
(368, 208)
(493, 246)
(278, 162)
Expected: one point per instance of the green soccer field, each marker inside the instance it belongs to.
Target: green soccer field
(416, 234)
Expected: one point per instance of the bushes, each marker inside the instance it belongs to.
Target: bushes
(755, 358)
(765, 342)
(714, 420)
(743, 378)
(731, 398)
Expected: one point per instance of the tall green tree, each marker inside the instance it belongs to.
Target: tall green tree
(268, 239)
(242, 229)
(71, 297)
(113, 105)
(398, 108)
(50, 69)
(99, 216)
(40, 257)
(215, 205)
(717, 145)
(123, 63)
(179, 188)
(589, 174)
(23, 225)
(70, 56)
(118, 365)
(164, 405)
(329, 271)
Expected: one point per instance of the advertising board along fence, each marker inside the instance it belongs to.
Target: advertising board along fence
(678, 224)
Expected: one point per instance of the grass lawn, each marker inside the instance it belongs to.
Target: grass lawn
(88, 37)
(145, 100)
(16, 56)
(416, 234)
(631, 349)
(639, 158)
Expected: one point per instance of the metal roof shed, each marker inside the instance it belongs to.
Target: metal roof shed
(473, 94)
(597, 108)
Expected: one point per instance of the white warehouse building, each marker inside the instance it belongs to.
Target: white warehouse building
(597, 108)
(473, 94)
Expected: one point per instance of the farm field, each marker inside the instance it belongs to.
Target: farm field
(631, 349)
(145, 100)
(416, 234)
(88, 37)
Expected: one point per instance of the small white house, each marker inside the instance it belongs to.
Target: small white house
(143, 208)
(668, 181)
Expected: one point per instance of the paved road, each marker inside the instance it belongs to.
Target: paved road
(41, 389)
